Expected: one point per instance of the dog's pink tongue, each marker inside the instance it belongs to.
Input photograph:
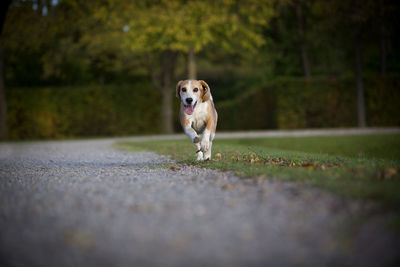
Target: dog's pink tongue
(189, 110)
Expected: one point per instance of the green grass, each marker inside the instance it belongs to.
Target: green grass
(366, 167)
(361, 146)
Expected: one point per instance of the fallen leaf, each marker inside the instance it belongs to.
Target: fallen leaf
(174, 168)
(228, 187)
(78, 239)
(275, 161)
(258, 179)
(309, 167)
(142, 208)
(180, 242)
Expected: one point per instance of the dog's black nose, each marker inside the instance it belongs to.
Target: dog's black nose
(189, 100)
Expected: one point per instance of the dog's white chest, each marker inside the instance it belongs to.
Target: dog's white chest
(199, 117)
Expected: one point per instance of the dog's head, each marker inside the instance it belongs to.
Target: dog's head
(192, 92)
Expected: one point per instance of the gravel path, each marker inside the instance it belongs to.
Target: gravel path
(85, 203)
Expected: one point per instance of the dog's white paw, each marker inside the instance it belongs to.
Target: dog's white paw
(200, 156)
(205, 145)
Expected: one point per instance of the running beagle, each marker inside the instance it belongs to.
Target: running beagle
(197, 115)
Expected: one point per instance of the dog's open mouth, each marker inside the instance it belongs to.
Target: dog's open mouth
(190, 108)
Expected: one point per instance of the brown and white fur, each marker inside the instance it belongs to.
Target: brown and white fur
(197, 115)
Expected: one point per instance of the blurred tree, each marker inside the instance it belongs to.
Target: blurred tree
(302, 39)
(236, 45)
(3, 104)
(352, 18)
(289, 39)
(382, 36)
(192, 71)
(42, 58)
(164, 29)
(385, 24)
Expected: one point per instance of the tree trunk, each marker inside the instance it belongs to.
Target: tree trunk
(166, 111)
(40, 8)
(383, 56)
(166, 87)
(3, 104)
(361, 121)
(302, 40)
(3, 107)
(383, 38)
(192, 72)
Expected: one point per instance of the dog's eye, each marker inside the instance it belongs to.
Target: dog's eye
(195, 90)
(183, 89)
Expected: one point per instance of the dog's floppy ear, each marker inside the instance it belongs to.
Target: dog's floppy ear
(206, 91)
(178, 88)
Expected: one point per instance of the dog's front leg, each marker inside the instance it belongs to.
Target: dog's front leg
(200, 155)
(196, 140)
(189, 131)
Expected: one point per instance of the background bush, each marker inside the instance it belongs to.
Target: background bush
(59, 112)
(129, 109)
(291, 103)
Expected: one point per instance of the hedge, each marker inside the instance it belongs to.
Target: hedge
(63, 112)
(118, 110)
(317, 102)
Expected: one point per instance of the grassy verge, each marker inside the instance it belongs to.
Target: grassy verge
(366, 167)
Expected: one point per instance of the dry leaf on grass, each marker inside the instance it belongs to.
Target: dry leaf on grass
(309, 167)
(174, 168)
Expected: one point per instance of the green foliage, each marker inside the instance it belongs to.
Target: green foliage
(354, 146)
(315, 161)
(242, 48)
(59, 112)
(178, 25)
(78, 42)
(318, 102)
(382, 100)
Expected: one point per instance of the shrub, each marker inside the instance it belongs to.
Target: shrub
(59, 112)
(290, 103)
(129, 109)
